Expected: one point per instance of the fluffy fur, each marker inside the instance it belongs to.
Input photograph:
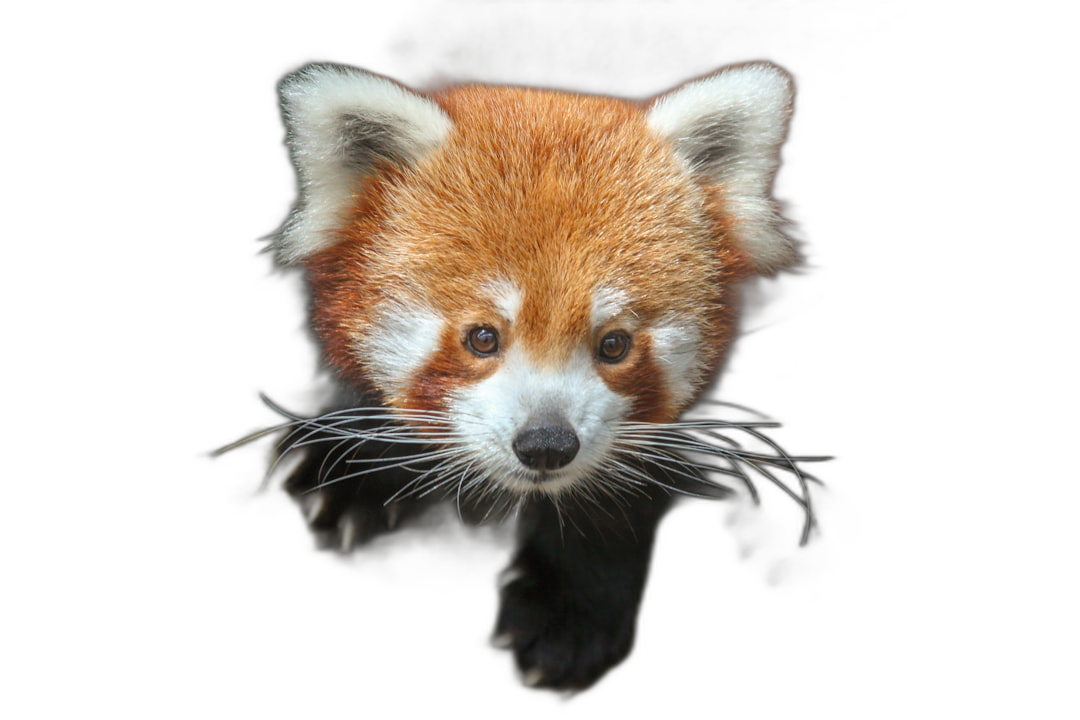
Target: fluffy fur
(521, 291)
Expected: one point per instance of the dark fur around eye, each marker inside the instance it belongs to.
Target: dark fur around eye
(483, 340)
(613, 347)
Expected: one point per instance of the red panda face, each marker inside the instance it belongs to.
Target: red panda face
(535, 268)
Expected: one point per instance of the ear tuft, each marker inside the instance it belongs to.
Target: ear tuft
(342, 123)
(728, 128)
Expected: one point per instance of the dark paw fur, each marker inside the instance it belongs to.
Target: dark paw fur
(345, 512)
(561, 638)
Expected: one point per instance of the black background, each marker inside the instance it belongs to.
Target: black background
(875, 609)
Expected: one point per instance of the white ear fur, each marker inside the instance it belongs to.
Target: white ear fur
(728, 127)
(341, 122)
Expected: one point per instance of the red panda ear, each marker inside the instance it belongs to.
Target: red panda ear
(728, 128)
(341, 124)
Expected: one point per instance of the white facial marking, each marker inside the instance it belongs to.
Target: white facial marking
(607, 302)
(506, 296)
(403, 339)
(676, 340)
(490, 413)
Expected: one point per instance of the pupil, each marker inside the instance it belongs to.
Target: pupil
(483, 340)
(614, 346)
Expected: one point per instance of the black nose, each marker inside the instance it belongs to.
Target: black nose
(546, 447)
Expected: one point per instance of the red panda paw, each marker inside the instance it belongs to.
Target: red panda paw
(571, 597)
(561, 639)
(344, 513)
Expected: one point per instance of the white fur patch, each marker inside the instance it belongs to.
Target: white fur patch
(675, 343)
(507, 298)
(607, 303)
(729, 127)
(491, 413)
(402, 340)
(319, 102)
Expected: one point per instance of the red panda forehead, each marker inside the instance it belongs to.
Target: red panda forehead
(593, 158)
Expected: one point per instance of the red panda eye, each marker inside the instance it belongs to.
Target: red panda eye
(614, 346)
(483, 340)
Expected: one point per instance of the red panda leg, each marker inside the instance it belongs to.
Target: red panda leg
(569, 601)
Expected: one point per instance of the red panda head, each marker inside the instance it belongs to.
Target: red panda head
(535, 268)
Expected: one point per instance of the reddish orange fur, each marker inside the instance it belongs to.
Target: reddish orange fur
(557, 193)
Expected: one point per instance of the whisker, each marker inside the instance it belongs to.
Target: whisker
(430, 448)
(661, 443)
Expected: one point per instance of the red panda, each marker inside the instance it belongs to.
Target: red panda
(521, 291)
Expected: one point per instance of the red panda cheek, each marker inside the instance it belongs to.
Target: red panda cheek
(450, 368)
(640, 378)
